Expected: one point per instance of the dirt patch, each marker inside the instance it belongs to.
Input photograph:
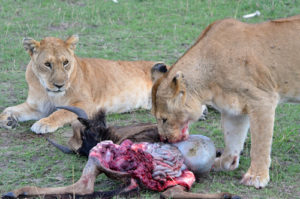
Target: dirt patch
(7, 135)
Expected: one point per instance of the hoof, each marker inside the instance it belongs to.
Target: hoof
(8, 195)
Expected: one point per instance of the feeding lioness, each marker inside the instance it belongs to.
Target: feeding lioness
(244, 71)
(56, 77)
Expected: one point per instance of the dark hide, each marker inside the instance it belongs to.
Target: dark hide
(146, 132)
(90, 132)
(95, 131)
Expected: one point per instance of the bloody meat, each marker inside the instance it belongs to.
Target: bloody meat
(156, 166)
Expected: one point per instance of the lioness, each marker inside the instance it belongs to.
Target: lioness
(56, 77)
(244, 71)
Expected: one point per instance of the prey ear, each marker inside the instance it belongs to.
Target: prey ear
(30, 45)
(72, 41)
(158, 70)
(178, 85)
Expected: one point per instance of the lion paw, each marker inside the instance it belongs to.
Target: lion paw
(258, 181)
(226, 163)
(8, 121)
(43, 126)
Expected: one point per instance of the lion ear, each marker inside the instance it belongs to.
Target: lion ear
(178, 85)
(30, 45)
(158, 70)
(72, 41)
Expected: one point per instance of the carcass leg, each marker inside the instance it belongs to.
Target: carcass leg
(180, 193)
(85, 185)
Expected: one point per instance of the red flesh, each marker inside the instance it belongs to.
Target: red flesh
(184, 132)
(145, 160)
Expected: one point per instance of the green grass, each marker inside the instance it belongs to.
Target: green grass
(158, 30)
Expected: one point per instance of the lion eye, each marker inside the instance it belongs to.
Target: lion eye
(65, 63)
(164, 120)
(48, 64)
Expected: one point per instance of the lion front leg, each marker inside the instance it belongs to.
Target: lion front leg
(261, 127)
(235, 128)
(22, 112)
(54, 121)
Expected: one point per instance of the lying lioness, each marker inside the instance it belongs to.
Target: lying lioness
(244, 71)
(56, 77)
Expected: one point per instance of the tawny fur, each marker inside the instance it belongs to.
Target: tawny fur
(244, 71)
(88, 83)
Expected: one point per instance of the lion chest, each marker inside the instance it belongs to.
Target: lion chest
(230, 103)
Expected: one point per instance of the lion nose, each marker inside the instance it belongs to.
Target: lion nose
(58, 85)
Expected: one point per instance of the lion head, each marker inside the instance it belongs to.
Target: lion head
(173, 107)
(53, 62)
